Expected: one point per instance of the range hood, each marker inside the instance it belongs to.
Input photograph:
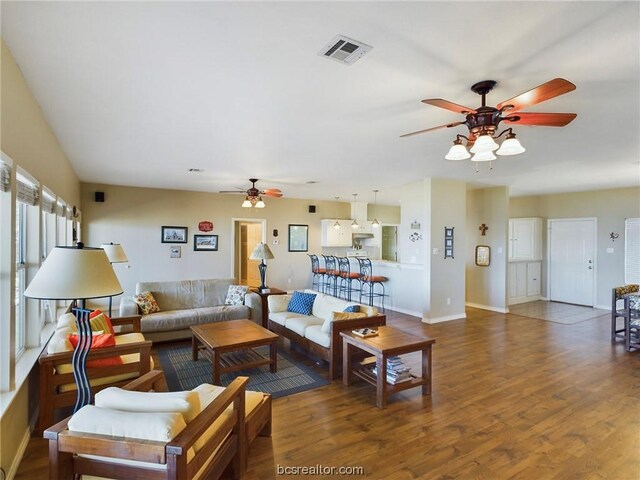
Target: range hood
(361, 236)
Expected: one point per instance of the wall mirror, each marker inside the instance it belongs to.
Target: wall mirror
(483, 255)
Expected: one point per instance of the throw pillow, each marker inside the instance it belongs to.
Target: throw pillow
(337, 316)
(100, 321)
(99, 341)
(301, 303)
(235, 295)
(146, 302)
(352, 309)
(67, 321)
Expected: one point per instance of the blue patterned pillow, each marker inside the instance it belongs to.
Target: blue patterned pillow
(301, 303)
(352, 309)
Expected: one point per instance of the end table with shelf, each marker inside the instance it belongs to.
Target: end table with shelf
(264, 294)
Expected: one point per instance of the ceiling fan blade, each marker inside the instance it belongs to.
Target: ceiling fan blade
(273, 194)
(233, 191)
(448, 125)
(543, 119)
(272, 190)
(447, 105)
(541, 93)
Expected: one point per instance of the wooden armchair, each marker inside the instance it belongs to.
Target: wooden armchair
(74, 453)
(618, 295)
(57, 384)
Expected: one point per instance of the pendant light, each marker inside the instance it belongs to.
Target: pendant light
(355, 223)
(375, 223)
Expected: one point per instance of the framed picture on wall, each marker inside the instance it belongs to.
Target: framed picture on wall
(298, 238)
(174, 234)
(205, 243)
(483, 255)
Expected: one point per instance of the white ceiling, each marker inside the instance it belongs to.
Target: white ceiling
(139, 92)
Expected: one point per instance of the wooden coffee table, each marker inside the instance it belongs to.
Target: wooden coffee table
(389, 341)
(229, 345)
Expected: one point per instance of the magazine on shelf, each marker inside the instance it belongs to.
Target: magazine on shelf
(365, 332)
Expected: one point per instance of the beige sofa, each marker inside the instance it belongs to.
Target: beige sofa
(319, 333)
(189, 302)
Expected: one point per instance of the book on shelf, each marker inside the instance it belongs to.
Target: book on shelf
(365, 332)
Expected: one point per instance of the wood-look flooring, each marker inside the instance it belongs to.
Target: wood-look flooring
(513, 398)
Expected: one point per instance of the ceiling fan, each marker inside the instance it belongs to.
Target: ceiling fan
(253, 196)
(483, 121)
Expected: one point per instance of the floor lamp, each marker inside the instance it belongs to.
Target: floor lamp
(262, 252)
(116, 254)
(76, 273)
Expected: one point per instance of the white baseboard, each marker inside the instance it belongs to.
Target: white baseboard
(18, 458)
(403, 310)
(603, 307)
(460, 316)
(487, 307)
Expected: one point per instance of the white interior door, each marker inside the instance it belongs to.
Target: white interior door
(572, 261)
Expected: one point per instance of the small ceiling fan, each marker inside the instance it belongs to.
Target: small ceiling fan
(253, 196)
(482, 122)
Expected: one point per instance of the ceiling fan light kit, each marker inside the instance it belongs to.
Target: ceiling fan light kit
(253, 196)
(483, 121)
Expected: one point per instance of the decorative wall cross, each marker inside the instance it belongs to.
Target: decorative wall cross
(483, 228)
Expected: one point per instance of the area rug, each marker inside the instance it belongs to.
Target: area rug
(182, 373)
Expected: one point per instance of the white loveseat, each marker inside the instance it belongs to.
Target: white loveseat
(186, 303)
(319, 333)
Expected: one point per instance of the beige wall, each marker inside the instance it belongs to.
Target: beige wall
(26, 137)
(134, 216)
(610, 207)
(486, 286)
(447, 276)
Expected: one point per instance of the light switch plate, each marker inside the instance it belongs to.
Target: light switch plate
(609, 249)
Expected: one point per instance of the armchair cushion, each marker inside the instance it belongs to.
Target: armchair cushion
(278, 303)
(186, 403)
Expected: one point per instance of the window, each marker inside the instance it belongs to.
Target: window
(21, 266)
(632, 250)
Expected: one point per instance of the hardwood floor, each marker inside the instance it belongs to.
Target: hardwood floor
(513, 398)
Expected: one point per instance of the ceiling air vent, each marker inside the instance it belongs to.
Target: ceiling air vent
(344, 49)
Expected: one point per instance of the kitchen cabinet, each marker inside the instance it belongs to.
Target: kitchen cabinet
(525, 239)
(523, 282)
(335, 237)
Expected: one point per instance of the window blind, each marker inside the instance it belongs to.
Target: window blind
(632, 250)
(27, 191)
(48, 200)
(5, 177)
(60, 210)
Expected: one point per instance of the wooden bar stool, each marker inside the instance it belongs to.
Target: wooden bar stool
(346, 278)
(367, 278)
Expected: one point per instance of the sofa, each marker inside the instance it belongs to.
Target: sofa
(185, 303)
(319, 333)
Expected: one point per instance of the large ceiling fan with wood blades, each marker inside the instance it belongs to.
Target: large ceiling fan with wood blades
(483, 121)
(253, 196)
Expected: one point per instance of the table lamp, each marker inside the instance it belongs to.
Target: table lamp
(116, 254)
(76, 273)
(262, 252)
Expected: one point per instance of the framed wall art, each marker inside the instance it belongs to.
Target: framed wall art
(483, 255)
(448, 242)
(174, 234)
(205, 243)
(298, 238)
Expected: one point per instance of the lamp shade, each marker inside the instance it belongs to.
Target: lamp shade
(511, 146)
(246, 203)
(260, 203)
(457, 152)
(115, 252)
(483, 157)
(261, 252)
(70, 273)
(484, 143)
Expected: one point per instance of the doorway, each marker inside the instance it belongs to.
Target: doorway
(390, 243)
(247, 234)
(572, 260)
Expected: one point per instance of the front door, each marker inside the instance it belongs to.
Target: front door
(572, 260)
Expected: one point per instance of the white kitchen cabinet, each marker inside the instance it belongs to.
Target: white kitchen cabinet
(523, 282)
(525, 239)
(335, 237)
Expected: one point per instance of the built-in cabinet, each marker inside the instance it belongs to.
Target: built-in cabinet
(335, 237)
(525, 260)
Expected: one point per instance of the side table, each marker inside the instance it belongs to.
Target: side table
(264, 294)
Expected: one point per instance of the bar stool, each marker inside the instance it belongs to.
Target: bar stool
(346, 278)
(367, 278)
(331, 276)
(317, 280)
